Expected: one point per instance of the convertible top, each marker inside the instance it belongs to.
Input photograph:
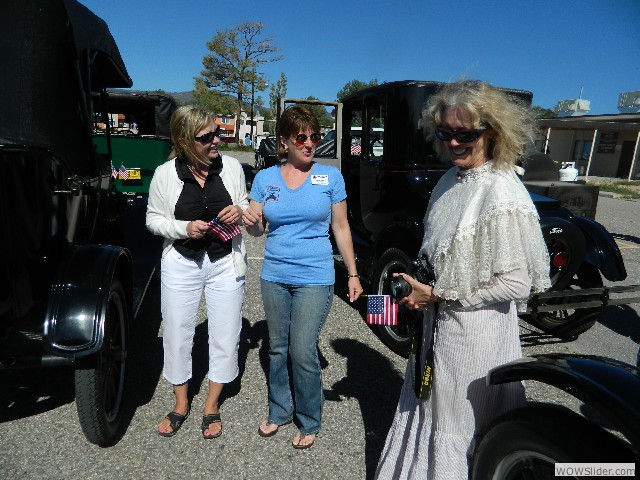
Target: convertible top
(53, 53)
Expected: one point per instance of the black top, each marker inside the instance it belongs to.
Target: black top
(201, 203)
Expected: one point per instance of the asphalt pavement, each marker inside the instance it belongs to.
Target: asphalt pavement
(40, 436)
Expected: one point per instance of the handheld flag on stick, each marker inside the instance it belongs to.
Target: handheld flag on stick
(114, 172)
(381, 310)
(224, 231)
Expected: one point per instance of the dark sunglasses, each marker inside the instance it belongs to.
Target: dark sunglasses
(301, 138)
(208, 137)
(462, 136)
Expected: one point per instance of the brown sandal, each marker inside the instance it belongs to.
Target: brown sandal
(302, 446)
(267, 424)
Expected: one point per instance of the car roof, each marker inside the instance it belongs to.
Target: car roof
(57, 52)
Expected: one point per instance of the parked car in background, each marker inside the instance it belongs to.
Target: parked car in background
(140, 152)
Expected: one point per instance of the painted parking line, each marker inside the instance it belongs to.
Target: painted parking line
(625, 245)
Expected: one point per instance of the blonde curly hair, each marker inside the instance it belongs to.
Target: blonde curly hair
(510, 121)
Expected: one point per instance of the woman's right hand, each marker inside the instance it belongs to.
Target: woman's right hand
(197, 229)
(420, 296)
(251, 217)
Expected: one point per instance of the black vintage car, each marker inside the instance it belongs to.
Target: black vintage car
(75, 256)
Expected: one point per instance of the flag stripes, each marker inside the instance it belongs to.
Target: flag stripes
(224, 231)
(381, 310)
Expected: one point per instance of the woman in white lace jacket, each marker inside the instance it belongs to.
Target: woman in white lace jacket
(483, 239)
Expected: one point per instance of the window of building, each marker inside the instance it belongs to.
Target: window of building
(581, 150)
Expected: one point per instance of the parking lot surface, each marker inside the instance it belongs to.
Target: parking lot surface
(40, 436)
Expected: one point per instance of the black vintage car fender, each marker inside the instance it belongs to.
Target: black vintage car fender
(609, 386)
(601, 249)
(76, 312)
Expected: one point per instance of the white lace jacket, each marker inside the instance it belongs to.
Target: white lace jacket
(480, 225)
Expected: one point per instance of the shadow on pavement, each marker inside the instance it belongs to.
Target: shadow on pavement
(626, 238)
(28, 392)
(145, 348)
(372, 380)
(623, 320)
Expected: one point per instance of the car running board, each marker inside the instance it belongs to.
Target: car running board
(574, 299)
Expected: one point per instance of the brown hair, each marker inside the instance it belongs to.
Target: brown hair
(293, 120)
(185, 123)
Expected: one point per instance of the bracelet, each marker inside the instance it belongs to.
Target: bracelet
(354, 276)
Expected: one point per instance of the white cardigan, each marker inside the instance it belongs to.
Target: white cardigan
(164, 192)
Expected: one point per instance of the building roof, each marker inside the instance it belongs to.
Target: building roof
(618, 122)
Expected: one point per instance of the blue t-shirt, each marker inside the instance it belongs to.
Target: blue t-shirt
(298, 250)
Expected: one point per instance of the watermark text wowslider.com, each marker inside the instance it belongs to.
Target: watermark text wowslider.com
(595, 469)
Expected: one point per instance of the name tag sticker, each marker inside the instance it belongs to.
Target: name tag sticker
(319, 179)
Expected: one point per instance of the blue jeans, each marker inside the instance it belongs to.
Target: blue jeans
(295, 314)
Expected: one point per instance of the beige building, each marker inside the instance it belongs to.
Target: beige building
(600, 145)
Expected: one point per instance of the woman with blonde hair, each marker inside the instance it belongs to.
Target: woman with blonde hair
(196, 201)
(483, 239)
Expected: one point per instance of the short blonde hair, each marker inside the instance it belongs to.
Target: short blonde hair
(185, 123)
(509, 120)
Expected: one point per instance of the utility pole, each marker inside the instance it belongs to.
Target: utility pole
(253, 83)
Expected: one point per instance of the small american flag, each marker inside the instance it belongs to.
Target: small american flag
(224, 231)
(356, 149)
(114, 172)
(381, 310)
(124, 173)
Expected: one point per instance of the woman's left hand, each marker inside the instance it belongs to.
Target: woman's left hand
(230, 214)
(421, 295)
(355, 288)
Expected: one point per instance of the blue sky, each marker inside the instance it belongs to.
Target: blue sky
(553, 48)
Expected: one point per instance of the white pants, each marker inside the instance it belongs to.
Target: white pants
(183, 281)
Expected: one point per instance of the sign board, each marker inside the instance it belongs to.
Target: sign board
(607, 143)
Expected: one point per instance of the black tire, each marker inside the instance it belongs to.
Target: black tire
(396, 338)
(100, 381)
(525, 443)
(571, 323)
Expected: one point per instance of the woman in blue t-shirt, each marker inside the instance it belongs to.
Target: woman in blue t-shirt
(299, 199)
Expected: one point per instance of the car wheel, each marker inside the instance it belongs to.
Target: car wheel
(397, 338)
(100, 381)
(572, 322)
(527, 442)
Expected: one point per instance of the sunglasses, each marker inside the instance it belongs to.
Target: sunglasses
(461, 136)
(208, 137)
(301, 138)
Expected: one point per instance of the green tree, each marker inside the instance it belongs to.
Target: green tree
(232, 65)
(279, 90)
(543, 112)
(353, 86)
(320, 112)
(212, 100)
